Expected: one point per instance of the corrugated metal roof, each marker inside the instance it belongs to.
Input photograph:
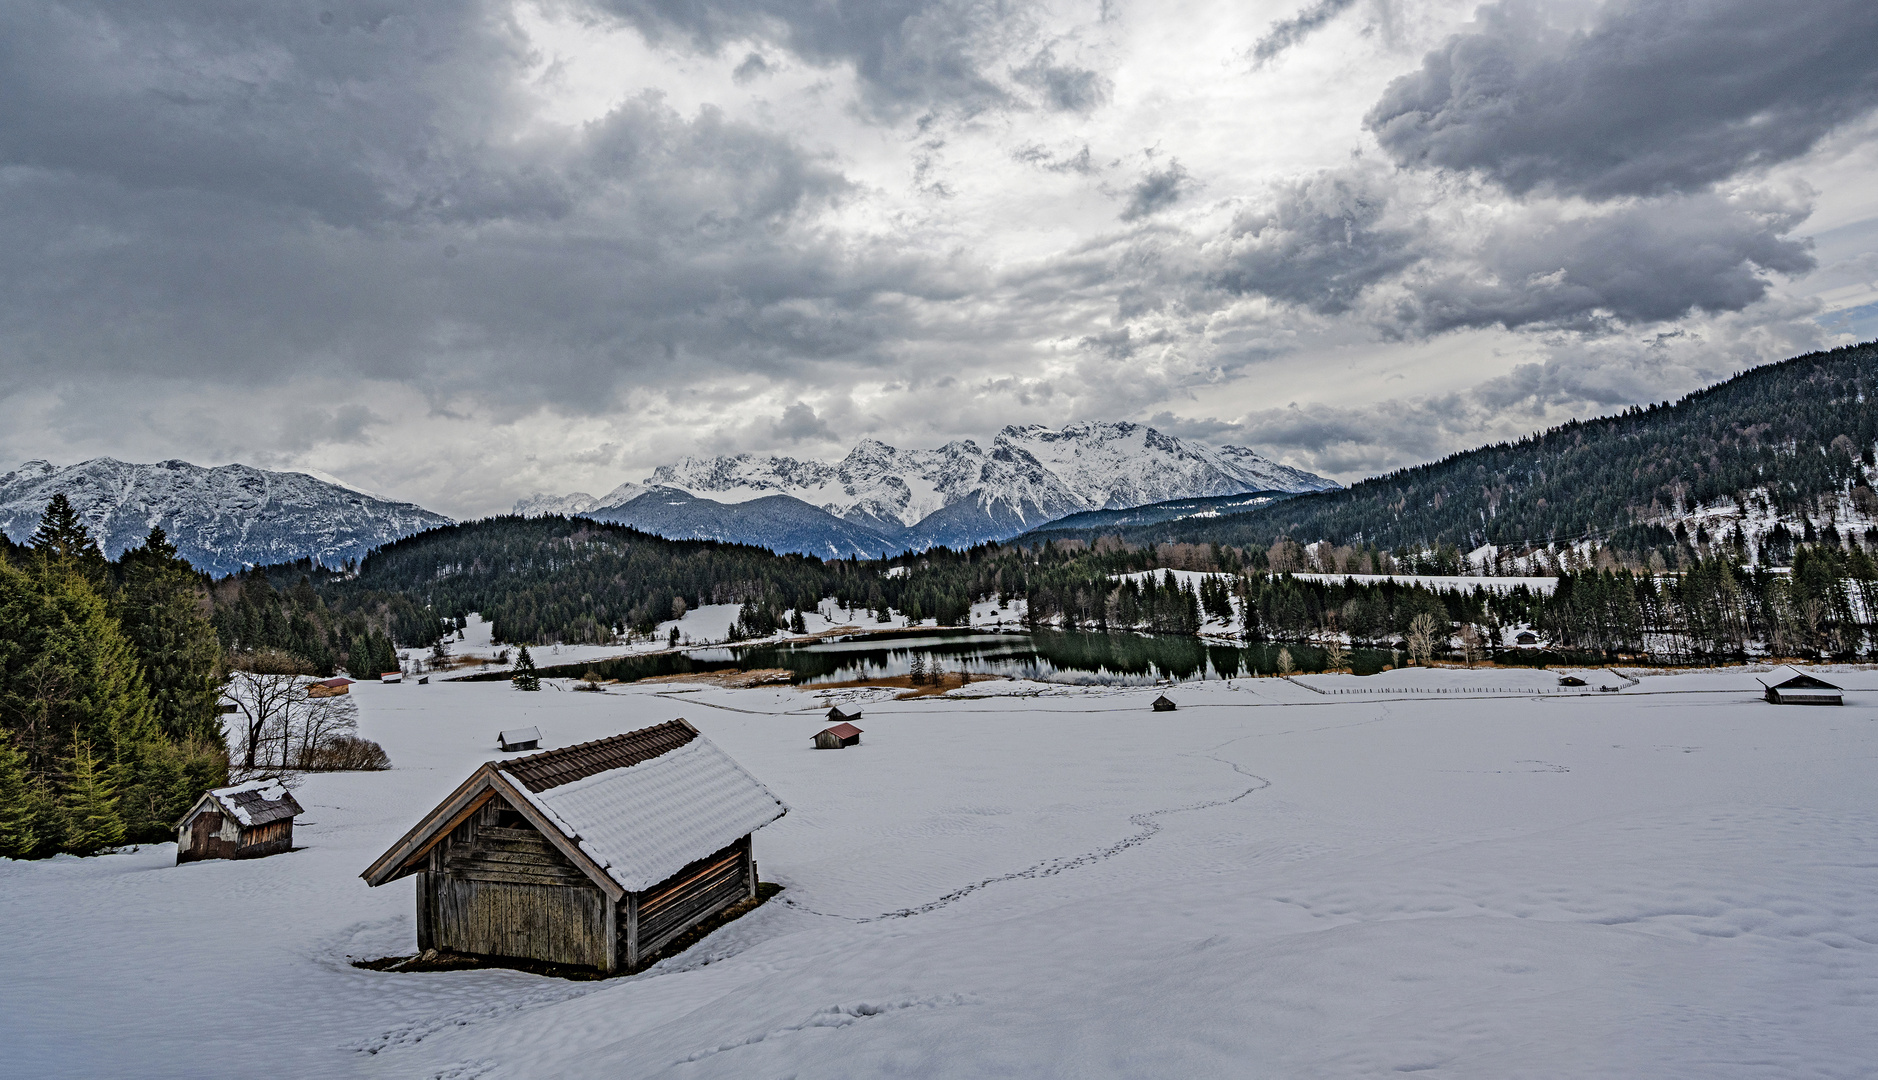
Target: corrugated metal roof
(553, 768)
(843, 731)
(673, 801)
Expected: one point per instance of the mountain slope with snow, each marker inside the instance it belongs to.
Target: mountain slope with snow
(963, 493)
(220, 519)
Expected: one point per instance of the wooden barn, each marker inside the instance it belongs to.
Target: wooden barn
(1790, 686)
(836, 716)
(245, 821)
(838, 737)
(521, 738)
(1162, 704)
(329, 688)
(596, 855)
(391, 676)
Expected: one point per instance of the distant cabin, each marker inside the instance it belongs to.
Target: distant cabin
(596, 855)
(1161, 704)
(521, 738)
(1790, 686)
(837, 737)
(329, 688)
(1525, 637)
(836, 716)
(245, 821)
(1570, 680)
(392, 676)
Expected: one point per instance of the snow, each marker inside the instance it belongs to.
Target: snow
(270, 789)
(644, 823)
(1029, 469)
(708, 625)
(1673, 880)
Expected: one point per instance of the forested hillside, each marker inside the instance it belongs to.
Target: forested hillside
(1792, 440)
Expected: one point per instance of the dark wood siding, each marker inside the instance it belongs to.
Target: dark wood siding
(205, 841)
(556, 923)
(692, 895)
(500, 888)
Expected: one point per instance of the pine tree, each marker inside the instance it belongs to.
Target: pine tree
(71, 675)
(92, 820)
(62, 536)
(159, 606)
(26, 827)
(525, 677)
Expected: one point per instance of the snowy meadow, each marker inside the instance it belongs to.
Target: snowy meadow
(1451, 874)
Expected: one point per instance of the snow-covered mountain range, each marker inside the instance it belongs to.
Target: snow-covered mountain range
(959, 494)
(220, 519)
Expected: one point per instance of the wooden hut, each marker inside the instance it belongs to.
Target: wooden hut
(245, 821)
(1790, 686)
(391, 676)
(838, 737)
(836, 716)
(521, 738)
(1162, 704)
(328, 688)
(596, 855)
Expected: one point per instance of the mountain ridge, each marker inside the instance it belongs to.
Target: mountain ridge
(958, 494)
(222, 519)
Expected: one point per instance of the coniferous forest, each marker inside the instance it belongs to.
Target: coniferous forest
(1792, 438)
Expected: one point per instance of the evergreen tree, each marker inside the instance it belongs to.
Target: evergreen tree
(160, 606)
(63, 537)
(66, 671)
(524, 677)
(92, 820)
(27, 828)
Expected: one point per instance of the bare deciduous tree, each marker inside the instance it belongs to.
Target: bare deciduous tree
(1421, 639)
(281, 726)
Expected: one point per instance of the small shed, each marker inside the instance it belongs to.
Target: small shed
(329, 688)
(521, 738)
(1570, 680)
(1786, 685)
(836, 716)
(244, 821)
(1162, 704)
(391, 676)
(1525, 637)
(837, 737)
(594, 855)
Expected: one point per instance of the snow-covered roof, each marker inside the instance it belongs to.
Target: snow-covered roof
(1787, 673)
(256, 802)
(646, 820)
(519, 735)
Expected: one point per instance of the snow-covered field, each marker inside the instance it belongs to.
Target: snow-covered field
(1672, 880)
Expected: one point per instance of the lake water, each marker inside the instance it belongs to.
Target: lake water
(1044, 655)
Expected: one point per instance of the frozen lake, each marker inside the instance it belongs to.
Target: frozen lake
(1452, 877)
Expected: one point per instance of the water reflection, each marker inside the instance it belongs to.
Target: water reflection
(1064, 656)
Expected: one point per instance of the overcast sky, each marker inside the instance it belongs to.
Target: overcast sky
(455, 252)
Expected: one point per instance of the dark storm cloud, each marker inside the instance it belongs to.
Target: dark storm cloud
(195, 191)
(1157, 190)
(907, 54)
(1288, 32)
(1649, 97)
(1319, 243)
(1648, 261)
(1065, 87)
